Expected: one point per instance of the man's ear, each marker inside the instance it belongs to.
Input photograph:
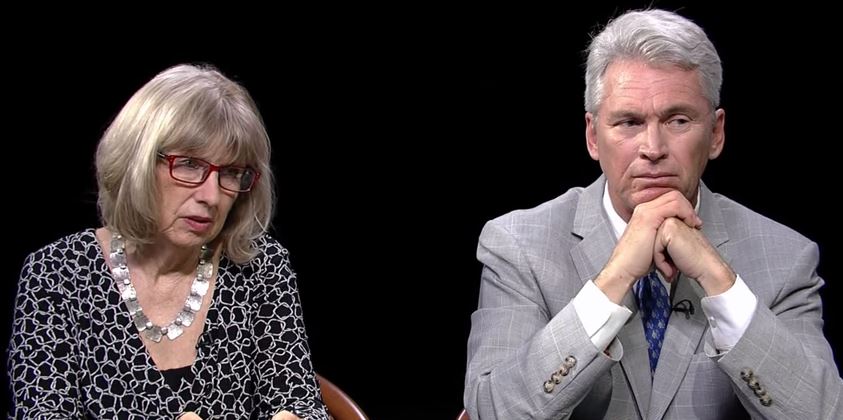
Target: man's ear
(591, 135)
(718, 134)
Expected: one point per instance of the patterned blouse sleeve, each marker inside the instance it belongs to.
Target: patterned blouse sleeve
(42, 366)
(287, 379)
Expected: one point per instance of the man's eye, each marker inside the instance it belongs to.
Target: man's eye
(679, 121)
(627, 123)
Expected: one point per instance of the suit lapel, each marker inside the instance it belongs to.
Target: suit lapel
(714, 225)
(589, 257)
(683, 333)
(636, 361)
(591, 224)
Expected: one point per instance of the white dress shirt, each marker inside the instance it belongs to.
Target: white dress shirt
(728, 313)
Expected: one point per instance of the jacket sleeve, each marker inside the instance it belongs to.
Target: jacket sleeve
(524, 362)
(287, 379)
(782, 367)
(42, 365)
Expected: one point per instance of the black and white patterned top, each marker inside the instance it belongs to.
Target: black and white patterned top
(75, 352)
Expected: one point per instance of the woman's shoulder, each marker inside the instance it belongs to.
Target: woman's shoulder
(269, 248)
(269, 268)
(63, 263)
(269, 253)
(81, 245)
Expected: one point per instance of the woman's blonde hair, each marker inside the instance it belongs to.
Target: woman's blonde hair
(190, 109)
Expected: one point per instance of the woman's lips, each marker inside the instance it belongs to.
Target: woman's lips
(199, 224)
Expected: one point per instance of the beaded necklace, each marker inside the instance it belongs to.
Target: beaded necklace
(185, 317)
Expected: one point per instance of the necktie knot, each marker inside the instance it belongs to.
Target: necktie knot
(654, 306)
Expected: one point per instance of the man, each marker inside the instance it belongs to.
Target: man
(645, 295)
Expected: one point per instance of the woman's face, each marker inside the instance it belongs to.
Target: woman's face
(191, 215)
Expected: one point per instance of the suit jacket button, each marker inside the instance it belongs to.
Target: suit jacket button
(548, 386)
(760, 392)
(746, 373)
(556, 378)
(563, 370)
(754, 384)
(766, 400)
(570, 361)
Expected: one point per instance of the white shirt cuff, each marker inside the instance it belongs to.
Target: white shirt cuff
(729, 314)
(601, 318)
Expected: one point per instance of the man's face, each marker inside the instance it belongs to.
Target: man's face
(653, 132)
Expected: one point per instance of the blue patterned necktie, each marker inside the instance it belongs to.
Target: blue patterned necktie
(654, 304)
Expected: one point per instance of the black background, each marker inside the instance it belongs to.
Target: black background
(397, 132)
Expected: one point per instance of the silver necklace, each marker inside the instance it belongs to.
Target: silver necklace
(185, 317)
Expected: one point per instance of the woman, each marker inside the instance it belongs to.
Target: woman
(180, 305)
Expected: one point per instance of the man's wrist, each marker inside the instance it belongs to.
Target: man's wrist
(719, 280)
(613, 284)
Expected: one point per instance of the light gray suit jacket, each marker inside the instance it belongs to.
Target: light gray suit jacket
(537, 260)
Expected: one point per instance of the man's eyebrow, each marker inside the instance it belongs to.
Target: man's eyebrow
(679, 109)
(624, 114)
